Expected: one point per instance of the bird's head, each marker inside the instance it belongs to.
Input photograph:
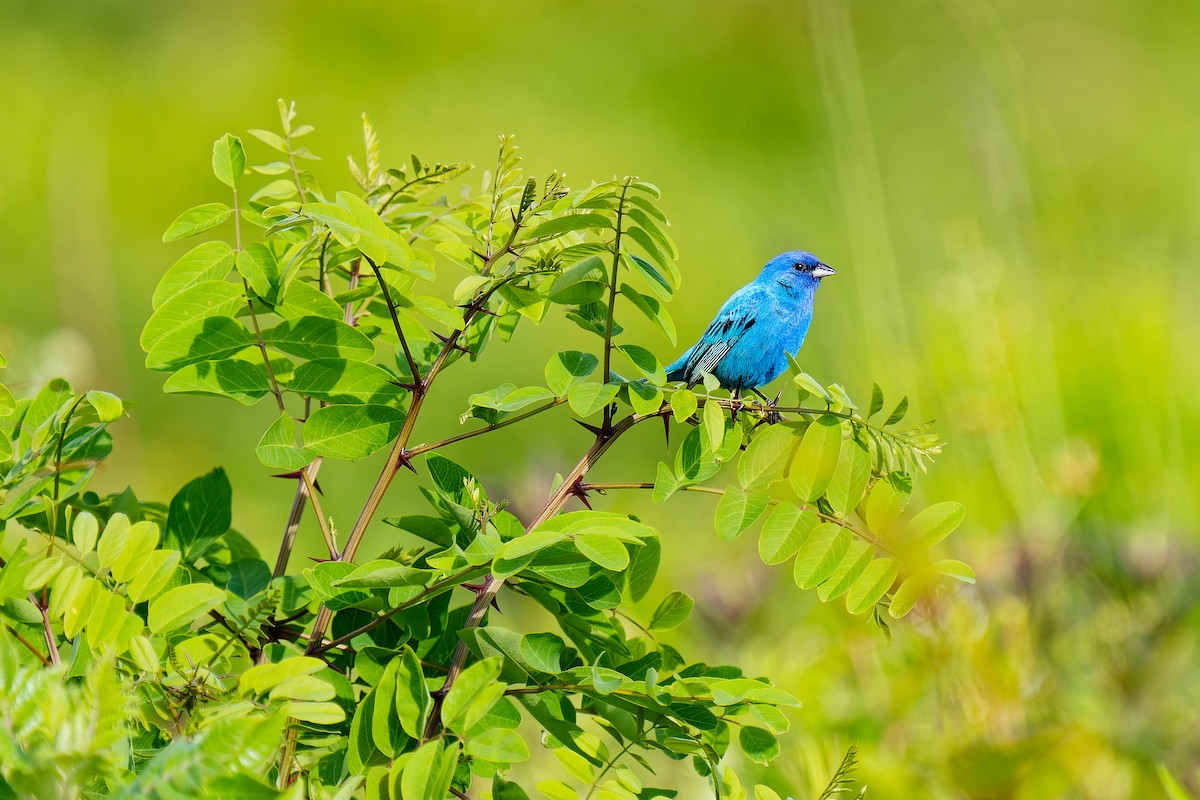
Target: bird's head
(796, 269)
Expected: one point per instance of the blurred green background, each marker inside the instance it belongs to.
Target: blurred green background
(1009, 190)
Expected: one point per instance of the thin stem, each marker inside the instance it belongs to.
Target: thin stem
(611, 763)
(51, 643)
(311, 490)
(605, 376)
(295, 172)
(449, 581)
(258, 338)
(391, 305)
(399, 454)
(425, 448)
(492, 584)
(62, 435)
(292, 526)
(28, 644)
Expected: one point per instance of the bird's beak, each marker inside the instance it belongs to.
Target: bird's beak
(823, 270)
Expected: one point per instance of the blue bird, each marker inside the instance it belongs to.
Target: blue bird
(747, 345)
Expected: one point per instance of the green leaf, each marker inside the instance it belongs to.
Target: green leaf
(531, 542)
(229, 160)
(897, 413)
(652, 250)
(646, 398)
(759, 744)
(645, 362)
(386, 730)
(108, 406)
(317, 337)
(8, 404)
(197, 220)
(499, 745)
(671, 612)
(906, 597)
(589, 398)
(85, 531)
(582, 283)
(817, 457)
(509, 398)
(412, 698)
(872, 585)
(197, 302)
(603, 550)
(200, 513)
(240, 380)
(135, 553)
(450, 479)
(543, 651)
(660, 284)
(302, 299)
(248, 577)
(654, 310)
(850, 477)
(810, 384)
(153, 575)
(203, 340)
(936, 523)
(342, 382)
(783, 532)
(475, 685)
(955, 569)
(683, 404)
(384, 574)
(712, 423)
(887, 500)
(182, 606)
(567, 223)
(210, 261)
(643, 567)
(604, 680)
(737, 511)
(876, 400)
(422, 775)
(258, 266)
(351, 432)
(277, 447)
(568, 369)
(766, 457)
(820, 554)
(849, 569)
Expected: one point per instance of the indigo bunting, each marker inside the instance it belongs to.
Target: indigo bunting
(746, 346)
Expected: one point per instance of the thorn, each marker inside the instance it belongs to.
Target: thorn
(578, 491)
(402, 460)
(320, 560)
(667, 429)
(290, 475)
(478, 588)
(591, 428)
(455, 346)
(410, 387)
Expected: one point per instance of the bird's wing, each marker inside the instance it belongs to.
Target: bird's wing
(733, 320)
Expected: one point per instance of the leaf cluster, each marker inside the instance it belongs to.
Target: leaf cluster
(388, 678)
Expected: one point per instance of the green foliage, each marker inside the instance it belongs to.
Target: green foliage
(383, 679)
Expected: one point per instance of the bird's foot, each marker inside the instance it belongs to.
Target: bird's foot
(770, 416)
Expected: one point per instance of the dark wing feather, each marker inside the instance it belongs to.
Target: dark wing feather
(731, 324)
